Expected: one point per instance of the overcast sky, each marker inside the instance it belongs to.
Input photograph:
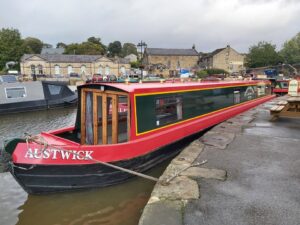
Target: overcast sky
(209, 24)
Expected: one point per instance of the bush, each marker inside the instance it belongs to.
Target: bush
(135, 64)
(216, 71)
(202, 74)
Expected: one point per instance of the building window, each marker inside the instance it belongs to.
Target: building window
(40, 69)
(169, 64)
(17, 92)
(107, 70)
(83, 69)
(178, 64)
(56, 70)
(100, 70)
(32, 67)
(168, 110)
(123, 71)
(70, 69)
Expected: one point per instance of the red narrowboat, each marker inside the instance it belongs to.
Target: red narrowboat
(134, 126)
(281, 87)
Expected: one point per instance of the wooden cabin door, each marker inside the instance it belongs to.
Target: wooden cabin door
(105, 119)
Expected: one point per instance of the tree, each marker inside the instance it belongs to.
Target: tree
(129, 48)
(11, 48)
(46, 45)
(291, 50)
(115, 48)
(262, 54)
(92, 46)
(61, 45)
(96, 41)
(32, 45)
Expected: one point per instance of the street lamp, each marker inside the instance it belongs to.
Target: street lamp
(141, 45)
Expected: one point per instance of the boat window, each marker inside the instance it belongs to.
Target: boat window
(122, 119)
(284, 84)
(89, 136)
(168, 110)
(16, 92)
(54, 89)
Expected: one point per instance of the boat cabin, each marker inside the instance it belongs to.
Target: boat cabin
(114, 113)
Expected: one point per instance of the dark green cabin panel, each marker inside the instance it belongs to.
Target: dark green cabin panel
(187, 105)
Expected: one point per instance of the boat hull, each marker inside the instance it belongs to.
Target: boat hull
(44, 179)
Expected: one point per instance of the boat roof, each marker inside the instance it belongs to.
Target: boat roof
(170, 86)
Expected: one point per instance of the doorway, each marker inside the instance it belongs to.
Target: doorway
(105, 117)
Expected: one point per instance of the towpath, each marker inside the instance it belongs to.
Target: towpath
(252, 176)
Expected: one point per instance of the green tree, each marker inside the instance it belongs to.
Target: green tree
(135, 64)
(262, 54)
(97, 41)
(92, 46)
(291, 50)
(129, 48)
(115, 48)
(32, 45)
(61, 45)
(46, 45)
(11, 48)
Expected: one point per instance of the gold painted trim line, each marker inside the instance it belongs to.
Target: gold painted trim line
(197, 117)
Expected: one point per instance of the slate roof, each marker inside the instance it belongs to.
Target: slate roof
(171, 51)
(211, 54)
(52, 51)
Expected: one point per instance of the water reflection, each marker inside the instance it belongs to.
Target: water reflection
(115, 205)
(15, 125)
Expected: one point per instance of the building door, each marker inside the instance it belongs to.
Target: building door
(110, 115)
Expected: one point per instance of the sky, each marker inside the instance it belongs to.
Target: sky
(209, 24)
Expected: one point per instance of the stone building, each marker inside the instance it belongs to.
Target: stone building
(58, 65)
(223, 58)
(169, 62)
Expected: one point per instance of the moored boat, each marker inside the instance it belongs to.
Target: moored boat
(133, 126)
(35, 95)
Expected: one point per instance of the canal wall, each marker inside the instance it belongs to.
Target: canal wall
(235, 174)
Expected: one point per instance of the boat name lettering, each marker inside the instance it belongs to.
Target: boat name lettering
(58, 154)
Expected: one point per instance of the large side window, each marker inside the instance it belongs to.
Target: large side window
(17, 92)
(54, 89)
(168, 110)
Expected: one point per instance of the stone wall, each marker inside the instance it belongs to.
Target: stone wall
(102, 66)
(172, 63)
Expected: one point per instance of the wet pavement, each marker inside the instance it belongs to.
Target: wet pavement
(262, 161)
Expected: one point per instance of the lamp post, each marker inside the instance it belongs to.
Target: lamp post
(141, 45)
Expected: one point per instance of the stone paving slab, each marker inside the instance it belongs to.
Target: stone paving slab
(260, 160)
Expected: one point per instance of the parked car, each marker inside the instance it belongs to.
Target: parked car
(74, 75)
(103, 78)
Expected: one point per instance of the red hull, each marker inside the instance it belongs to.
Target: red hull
(144, 145)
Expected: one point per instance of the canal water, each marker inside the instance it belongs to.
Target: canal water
(116, 205)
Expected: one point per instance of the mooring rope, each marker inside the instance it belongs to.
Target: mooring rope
(42, 142)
